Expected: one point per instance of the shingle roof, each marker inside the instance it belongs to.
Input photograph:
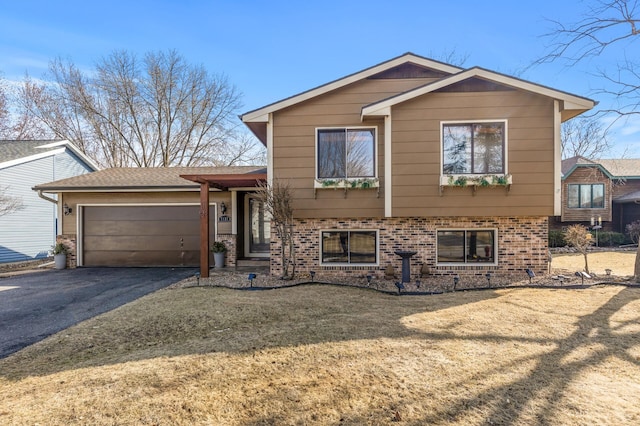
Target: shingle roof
(616, 167)
(13, 150)
(142, 178)
(624, 167)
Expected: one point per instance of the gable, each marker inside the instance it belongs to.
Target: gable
(474, 84)
(409, 70)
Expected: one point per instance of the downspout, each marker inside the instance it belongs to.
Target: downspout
(44, 197)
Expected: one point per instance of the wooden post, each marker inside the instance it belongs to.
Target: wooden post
(204, 229)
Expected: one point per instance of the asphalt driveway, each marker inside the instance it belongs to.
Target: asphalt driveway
(36, 305)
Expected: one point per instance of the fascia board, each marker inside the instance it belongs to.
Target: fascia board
(31, 158)
(570, 101)
(336, 84)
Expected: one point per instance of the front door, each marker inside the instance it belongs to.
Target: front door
(258, 230)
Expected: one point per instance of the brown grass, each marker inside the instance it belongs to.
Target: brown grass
(335, 355)
(620, 263)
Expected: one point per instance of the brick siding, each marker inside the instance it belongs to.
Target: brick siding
(522, 243)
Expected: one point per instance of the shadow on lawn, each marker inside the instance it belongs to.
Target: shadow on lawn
(553, 372)
(265, 320)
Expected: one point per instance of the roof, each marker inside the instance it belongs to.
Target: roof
(143, 178)
(13, 152)
(614, 168)
(633, 197)
(622, 167)
(572, 104)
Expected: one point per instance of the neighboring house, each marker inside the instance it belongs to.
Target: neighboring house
(460, 166)
(152, 216)
(600, 190)
(30, 232)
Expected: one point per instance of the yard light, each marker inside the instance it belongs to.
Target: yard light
(488, 275)
(456, 280)
(369, 278)
(418, 283)
(313, 274)
(251, 278)
(400, 286)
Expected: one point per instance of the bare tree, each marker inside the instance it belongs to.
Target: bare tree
(9, 203)
(277, 199)
(585, 137)
(605, 23)
(579, 237)
(158, 111)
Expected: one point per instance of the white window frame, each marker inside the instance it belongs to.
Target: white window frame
(377, 262)
(345, 128)
(471, 122)
(466, 263)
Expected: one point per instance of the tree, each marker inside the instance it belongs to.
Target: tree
(606, 23)
(8, 203)
(277, 199)
(579, 237)
(585, 137)
(158, 111)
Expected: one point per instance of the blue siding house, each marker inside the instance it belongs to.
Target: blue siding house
(29, 232)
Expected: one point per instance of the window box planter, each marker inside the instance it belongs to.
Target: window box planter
(476, 181)
(347, 184)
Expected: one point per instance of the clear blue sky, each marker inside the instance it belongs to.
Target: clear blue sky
(273, 49)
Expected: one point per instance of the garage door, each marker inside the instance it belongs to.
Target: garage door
(142, 235)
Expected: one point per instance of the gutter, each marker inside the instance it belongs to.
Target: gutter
(44, 197)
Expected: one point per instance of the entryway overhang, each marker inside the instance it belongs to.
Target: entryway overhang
(223, 183)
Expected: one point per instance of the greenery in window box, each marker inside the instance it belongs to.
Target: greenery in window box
(484, 180)
(362, 183)
(218, 247)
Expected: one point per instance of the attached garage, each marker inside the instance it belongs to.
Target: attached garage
(142, 235)
(152, 216)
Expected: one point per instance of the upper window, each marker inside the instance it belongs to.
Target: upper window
(465, 246)
(346, 153)
(349, 247)
(473, 148)
(586, 196)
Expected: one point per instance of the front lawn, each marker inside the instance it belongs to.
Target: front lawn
(319, 354)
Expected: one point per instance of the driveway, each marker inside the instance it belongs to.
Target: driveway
(36, 305)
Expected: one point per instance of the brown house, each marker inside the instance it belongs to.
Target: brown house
(460, 166)
(605, 192)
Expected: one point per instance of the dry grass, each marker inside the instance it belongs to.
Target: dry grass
(621, 263)
(336, 355)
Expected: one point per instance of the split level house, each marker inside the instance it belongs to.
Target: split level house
(604, 193)
(459, 166)
(28, 232)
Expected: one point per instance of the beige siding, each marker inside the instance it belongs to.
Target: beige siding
(294, 152)
(73, 199)
(416, 155)
(416, 152)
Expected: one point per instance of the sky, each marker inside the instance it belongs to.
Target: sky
(270, 50)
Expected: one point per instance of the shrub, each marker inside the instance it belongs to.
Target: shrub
(556, 239)
(609, 239)
(633, 231)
